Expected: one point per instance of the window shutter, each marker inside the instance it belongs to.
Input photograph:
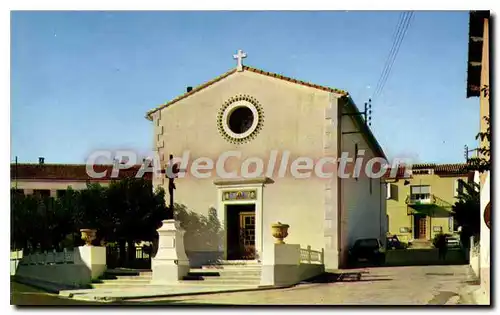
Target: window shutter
(388, 191)
(425, 189)
(414, 190)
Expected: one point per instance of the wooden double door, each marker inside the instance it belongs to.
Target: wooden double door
(240, 232)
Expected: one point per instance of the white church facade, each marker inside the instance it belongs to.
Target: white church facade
(257, 145)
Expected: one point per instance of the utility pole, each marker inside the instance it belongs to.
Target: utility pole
(15, 173)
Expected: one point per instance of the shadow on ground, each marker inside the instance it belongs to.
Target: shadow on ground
(331, 277)
(24, 296)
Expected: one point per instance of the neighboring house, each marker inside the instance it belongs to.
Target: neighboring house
(478, 78)
(252, 112)
(54, 179)
(419, 205)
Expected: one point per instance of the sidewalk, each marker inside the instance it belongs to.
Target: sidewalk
(473, 295)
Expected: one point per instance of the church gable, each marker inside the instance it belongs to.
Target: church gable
(246, 108)
(249, 107)
(225, 75)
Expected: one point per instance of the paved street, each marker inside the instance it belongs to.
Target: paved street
(416, 285)
(422, 285)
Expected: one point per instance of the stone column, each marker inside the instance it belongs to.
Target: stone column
(170, 263)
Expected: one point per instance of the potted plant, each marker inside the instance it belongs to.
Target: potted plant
(280, 231)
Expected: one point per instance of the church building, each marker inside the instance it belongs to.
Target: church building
(253, 147)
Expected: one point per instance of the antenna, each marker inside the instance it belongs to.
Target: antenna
(466, 152)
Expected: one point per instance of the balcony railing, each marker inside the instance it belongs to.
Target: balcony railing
(420, 199)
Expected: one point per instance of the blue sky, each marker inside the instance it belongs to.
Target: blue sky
(83, 81)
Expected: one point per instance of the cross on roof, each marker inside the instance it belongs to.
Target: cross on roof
(239, 56)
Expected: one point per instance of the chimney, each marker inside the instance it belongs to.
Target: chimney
(189, 89)
(41, 160)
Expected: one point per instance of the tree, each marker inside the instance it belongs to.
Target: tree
(466, 210)
(135, 210)
(126, 212)
(482, 163)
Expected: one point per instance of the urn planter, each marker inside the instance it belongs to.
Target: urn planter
(280, 232)
(88, 235)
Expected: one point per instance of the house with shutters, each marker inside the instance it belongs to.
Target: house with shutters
(419, 201)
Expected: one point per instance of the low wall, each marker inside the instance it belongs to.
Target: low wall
(474, 256)
(288, 264)
(69, 269)
(70, 275)
(408, 257)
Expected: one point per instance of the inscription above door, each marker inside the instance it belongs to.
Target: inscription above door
(239, 195)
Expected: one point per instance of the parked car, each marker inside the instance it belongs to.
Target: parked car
(394, 243)
(452, 241)
(367, 249)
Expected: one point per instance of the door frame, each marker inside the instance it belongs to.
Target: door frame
(416, 226)
(228, 185)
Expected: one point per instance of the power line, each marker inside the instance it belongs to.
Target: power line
(403, 25)
(395, 36)
(402, 28)
(408, 21)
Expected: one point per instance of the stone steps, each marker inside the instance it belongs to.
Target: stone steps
(222, 274)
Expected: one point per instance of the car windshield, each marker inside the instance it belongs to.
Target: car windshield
(367, 243)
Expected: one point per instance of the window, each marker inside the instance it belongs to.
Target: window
(420, 192)
(404, 230)
(240, 120)
(458, 187)
(451, 226)
(437, 229)
(370, 242)
(392, 191)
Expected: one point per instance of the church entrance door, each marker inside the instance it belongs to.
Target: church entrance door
(240, 232)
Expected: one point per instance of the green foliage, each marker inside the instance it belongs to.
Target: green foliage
(126, 210)
(466, 210)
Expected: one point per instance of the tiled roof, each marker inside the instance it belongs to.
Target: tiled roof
(457, 168)
(400, 173)
(423, 166)
(245, 68)
(439, 169)
(69, 172)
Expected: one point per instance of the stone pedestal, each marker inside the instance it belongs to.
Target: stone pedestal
(280, 266)
(93, 258)
(170, 263)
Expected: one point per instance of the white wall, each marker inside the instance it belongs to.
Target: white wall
(364, 207)
(87, 263)
(485, 239)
